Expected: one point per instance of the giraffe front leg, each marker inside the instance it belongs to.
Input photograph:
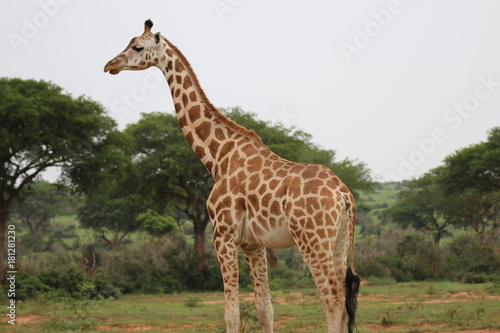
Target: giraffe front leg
(257, 263)
(228, 260)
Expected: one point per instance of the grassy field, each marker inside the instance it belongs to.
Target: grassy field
(404, 307)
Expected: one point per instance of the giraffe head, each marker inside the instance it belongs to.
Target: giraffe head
(141, 53)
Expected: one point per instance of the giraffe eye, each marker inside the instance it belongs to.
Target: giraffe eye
(137, 48)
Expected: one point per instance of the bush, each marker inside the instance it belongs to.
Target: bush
(370, 269)
(28, 287)
(465, 258)
(416, 259)
(66, 283)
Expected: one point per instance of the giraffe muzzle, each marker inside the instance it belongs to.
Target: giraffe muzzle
(111, 67)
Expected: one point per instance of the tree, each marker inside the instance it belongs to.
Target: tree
(471, 176)
(41, 128)
(111, 213)
(36, 207)
(171, 176)
(157, 227)
(424, 206)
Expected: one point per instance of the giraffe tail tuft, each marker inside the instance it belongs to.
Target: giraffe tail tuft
(352, 287)
(353, 281)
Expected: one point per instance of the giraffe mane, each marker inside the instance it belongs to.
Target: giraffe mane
(214, 111)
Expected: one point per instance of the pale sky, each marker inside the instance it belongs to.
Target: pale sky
(398, 85)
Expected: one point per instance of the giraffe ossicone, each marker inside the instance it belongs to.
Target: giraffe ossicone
(259, 200)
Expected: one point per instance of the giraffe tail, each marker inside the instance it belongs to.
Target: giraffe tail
(353, 280)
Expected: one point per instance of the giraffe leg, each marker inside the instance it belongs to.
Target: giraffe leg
(228, 260)
(331, 289)
(318, 254)
(257, 262)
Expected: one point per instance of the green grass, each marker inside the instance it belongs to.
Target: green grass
(404, 307)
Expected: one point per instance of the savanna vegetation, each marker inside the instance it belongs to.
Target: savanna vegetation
(127, 216)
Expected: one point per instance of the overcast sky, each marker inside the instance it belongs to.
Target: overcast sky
(398, 85)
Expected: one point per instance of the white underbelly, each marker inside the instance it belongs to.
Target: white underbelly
(277, 237)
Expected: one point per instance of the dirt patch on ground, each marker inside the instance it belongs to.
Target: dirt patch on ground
(128, 328)
(21, 320)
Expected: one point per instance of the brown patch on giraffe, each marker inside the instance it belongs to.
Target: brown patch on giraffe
(309, 173)
(170, 80)
(185, 99)
(183, 120)
(179, 67)
(178, 79)
(236, 160)
(176, 93)
(192, 96)
(273, 184)
(203, 130)
(282, 173)
(262, 189)
(190, 138)
(254, 164)
(226, 149)
(275, 208)
(170, 52)
(254, 201)
(333, 182)
(178, 107)
(266, 198)
(312, 205)
(253, 182)
(194, 113)
(219, 134)
(224, 166)
(200, 152)
(187, 83)
(213, 148)
(312, 186)
(267, 173)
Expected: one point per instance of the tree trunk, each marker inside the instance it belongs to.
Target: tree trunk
(4, 218)
(200, 242)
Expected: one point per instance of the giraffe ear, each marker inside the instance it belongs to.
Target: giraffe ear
(157, 37)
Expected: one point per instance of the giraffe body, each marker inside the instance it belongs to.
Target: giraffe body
(259, 200)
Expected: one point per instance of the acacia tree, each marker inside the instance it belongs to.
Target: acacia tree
(424, 206)
(41, 128)
(471, 177)
(36, 207)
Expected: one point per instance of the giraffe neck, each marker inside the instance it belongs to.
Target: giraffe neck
(211, 135)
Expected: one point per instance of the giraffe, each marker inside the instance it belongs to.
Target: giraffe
(259, 200)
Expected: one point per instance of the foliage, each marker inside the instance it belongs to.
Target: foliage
(155, 224)
(424, 206)
(472, 177)
(41, 128)
(107, 214)
(466, 258)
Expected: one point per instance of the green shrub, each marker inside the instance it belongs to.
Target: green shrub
(465, 258)
(97, 288)
(370, 268)
(28, 287)
(66, 283)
